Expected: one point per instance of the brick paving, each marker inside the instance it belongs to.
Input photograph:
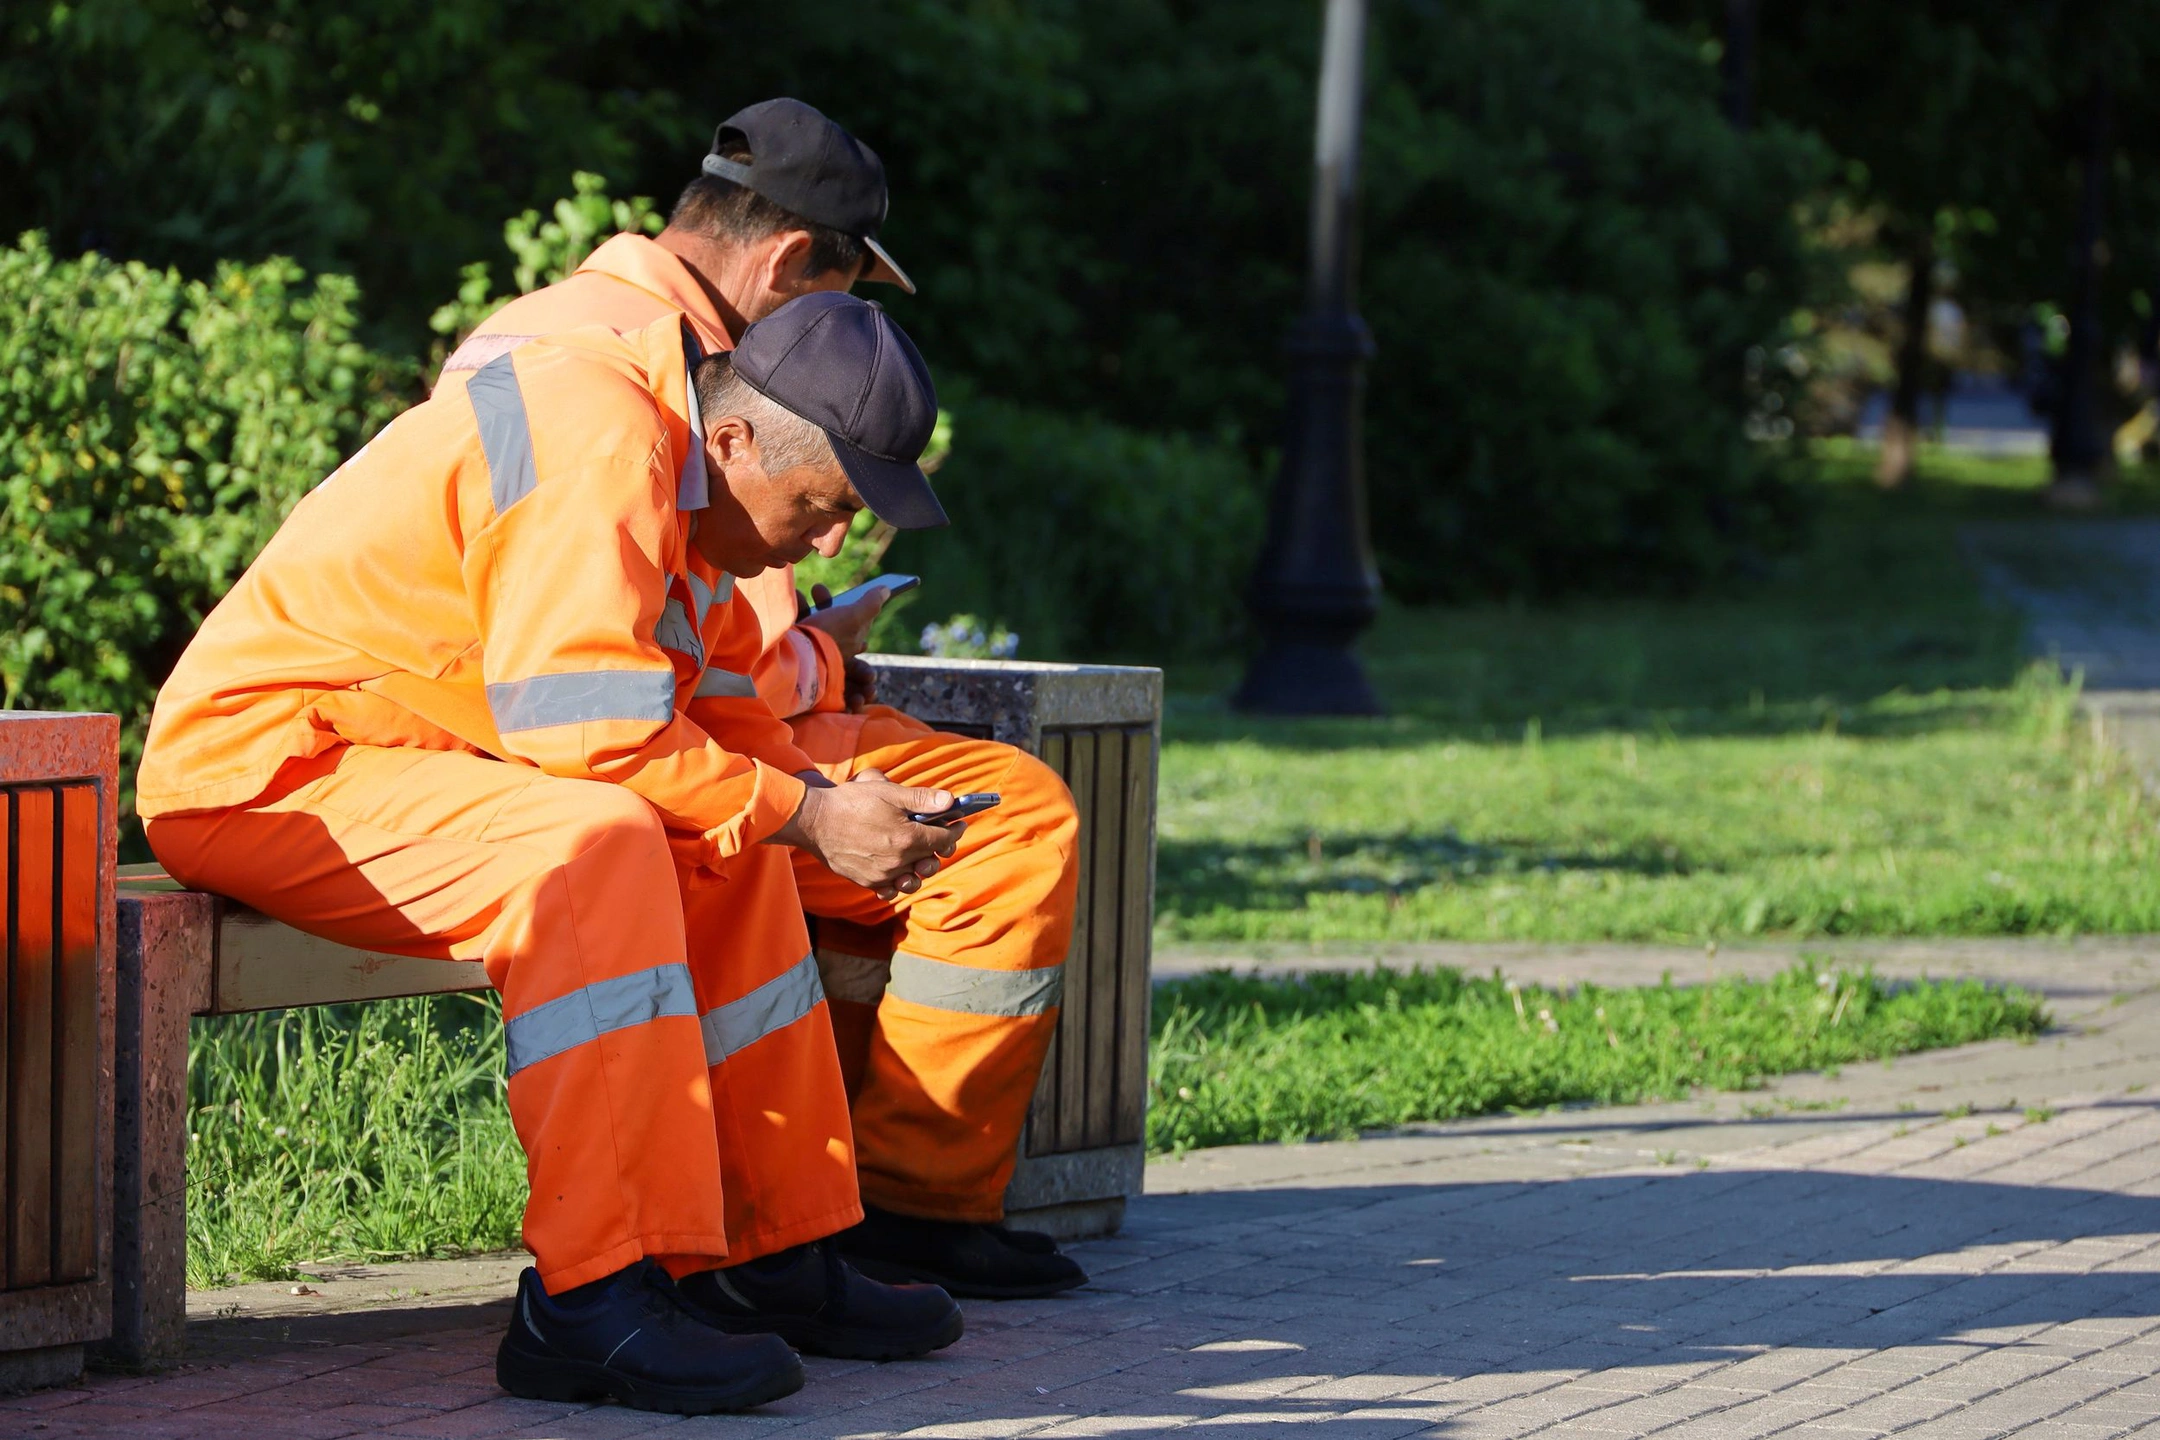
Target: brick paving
(1956, 1245)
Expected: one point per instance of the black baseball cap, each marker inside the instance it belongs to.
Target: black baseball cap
(809, 166)
(843, 365)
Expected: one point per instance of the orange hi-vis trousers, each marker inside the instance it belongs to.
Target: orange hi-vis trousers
(944, 1001)
(671, 1064)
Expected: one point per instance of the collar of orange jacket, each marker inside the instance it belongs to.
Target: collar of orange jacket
(645, 264)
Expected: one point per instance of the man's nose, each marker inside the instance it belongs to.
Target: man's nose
(827, 542)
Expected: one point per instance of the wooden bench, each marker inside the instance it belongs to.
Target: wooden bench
(183, 954)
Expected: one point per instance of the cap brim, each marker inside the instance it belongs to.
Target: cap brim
(896, 492)
(883, 267)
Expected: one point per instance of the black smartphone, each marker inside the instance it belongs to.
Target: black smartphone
(960, 809)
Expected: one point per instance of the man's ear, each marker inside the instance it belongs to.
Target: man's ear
(787, 261)
(731, 440)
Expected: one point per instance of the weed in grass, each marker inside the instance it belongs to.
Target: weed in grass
(348, 1132)
(2038, 1114)
(1993, 1129)
(1239, 1058)
(1958, 1112)
(1668, 1157)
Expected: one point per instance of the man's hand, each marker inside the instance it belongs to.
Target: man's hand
(861, 832)
(849, 624)
(861, 684)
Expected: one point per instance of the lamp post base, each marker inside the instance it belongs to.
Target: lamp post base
(1306, 677)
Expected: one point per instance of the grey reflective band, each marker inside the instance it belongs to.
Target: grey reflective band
(725, 682)
(860, 978)
(505, 436)
(601, 1008)
(705, 594)
(773, 1006)
(942, 985)
(723, 169)
(583, 695)
(692, 488)
(676, 632)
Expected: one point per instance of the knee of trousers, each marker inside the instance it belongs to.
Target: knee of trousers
(1034, 831)
(605, 900)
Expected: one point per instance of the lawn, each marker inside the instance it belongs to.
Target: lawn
(1852, 745)
(1237, 1059)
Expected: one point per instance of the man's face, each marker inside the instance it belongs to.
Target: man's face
(783, 271)
(758, 519)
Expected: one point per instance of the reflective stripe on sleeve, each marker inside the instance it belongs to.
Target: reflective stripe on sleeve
(546, 700)
(601, 1008)
(725, 682)
(860, 978)
(676, 632)
(773, 1006)
(942, 985)
(505, 435)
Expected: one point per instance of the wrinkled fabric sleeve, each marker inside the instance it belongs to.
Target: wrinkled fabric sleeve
(802, 673)
(569, 585)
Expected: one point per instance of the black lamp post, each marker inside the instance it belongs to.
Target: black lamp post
(1316, 589)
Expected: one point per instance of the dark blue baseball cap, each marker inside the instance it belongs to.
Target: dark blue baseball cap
(843, 365)
(809, 166)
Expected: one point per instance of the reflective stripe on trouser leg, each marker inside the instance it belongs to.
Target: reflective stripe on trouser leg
(954, 1060)
(787, 1155)
(854, 962)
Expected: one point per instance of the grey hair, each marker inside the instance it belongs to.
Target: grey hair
(785, 440)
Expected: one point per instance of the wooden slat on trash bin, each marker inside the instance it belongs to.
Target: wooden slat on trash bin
(1079, 970)
(76, 1055)
(1104, 836)
(1042, 1115)
(30, 1041)
(1136, 913)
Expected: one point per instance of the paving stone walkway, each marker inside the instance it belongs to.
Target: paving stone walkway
(1961, 1244)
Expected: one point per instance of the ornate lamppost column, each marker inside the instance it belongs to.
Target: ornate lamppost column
(1316, 589)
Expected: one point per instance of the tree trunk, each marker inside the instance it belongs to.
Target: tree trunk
(1901, 427)
(2075, 444)
(1738, 63)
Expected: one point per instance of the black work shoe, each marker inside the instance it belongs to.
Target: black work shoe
(1027, 1242)
(813, 1299)
(986, 1262)
(631, 1337)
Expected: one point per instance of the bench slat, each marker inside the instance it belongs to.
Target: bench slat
(30, 1044)
(75, 1241)
(265, 965)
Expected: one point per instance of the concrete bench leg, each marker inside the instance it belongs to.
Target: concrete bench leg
(164, 977)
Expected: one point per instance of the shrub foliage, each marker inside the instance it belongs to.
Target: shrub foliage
(154, 431)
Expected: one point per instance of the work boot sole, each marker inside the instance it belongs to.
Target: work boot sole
(896, 1272)
(573, 1382)
(843, 1342)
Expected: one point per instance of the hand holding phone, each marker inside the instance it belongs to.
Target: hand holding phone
(962, 808)
(891, 584)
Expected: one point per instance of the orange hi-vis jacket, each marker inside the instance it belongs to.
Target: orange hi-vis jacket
(628, 283)
(569, 625)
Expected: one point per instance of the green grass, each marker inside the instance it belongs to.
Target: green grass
(1237, 1059)
(354, 1132)
(1853, 745)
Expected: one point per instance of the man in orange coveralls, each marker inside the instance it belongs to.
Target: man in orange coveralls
(943, 1001)
(461, 707)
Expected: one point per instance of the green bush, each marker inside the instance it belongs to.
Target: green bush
(154, 431)
(1087, 538)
